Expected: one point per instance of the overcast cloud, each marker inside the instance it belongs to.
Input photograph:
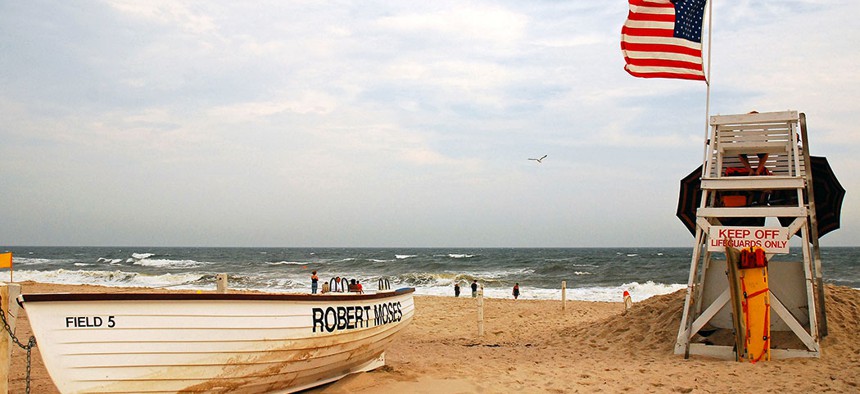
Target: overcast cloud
(312, 123)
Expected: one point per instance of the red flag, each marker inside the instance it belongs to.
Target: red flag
(663, 39)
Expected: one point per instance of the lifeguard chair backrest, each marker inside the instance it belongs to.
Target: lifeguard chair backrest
(774, 133)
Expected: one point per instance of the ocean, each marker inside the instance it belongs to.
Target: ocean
(591, 274)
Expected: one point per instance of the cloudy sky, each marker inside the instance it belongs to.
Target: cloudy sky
(392, 123)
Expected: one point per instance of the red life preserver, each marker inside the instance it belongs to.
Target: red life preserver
(753, 257)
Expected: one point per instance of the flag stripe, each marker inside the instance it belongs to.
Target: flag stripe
(667, 41)
(674, 60)
(652, 47)
(655, 63)
(651, 17)
(661, 49)
(648, 32)
(655, 73)
(651, 3)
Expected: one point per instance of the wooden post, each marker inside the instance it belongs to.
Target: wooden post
(563, 294)
(813, 227)
(221, 282)
(8, 293)
(481, 311)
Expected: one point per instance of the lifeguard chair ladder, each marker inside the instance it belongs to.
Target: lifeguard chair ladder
(706, 307)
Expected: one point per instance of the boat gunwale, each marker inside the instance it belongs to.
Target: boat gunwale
(64, 297)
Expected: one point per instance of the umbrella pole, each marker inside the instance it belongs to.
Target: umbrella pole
(813, 226)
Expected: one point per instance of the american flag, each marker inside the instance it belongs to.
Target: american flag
(663, 39)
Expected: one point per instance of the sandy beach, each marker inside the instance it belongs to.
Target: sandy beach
(535, 346)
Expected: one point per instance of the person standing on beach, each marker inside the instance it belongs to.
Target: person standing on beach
(456, 289)
(314, 282)
(516, 290)
(474, 288)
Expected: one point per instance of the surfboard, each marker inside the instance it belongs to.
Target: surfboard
(756, 312)
(736, 292)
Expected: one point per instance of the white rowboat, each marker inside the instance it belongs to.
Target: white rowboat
(212, 342)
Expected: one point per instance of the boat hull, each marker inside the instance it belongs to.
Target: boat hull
(237, 343)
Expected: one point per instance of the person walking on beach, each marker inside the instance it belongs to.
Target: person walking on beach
(314, 282)
(474, 288)
(516, 290)
(456, 289)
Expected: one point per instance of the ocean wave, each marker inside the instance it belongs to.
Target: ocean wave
(287, 263)
(447, 279)
(552, 269)
(404, 256)
(641, 291)
(638, 292)
(556, 260)
(424, 278)
(141, 256)
(165, 263)
(255, 282)
(18, 261)
(108, 278)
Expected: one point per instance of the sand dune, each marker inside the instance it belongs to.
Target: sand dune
(535, 346)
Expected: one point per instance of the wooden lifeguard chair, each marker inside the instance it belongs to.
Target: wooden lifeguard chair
(796, 316)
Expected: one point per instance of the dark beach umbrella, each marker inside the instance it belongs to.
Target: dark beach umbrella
(828, 193)
(689, 198)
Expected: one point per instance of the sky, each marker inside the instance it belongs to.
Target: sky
(388, 123)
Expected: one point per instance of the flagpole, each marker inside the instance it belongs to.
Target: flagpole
(708, 86)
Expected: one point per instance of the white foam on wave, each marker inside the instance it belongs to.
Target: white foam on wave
(141, 256)
(109, 278)
(166, 263)
(446, 278)
(460, 256)
(287, 263)
(638, 292)
(404, 256)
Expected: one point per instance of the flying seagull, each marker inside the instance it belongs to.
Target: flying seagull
(539, 160)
